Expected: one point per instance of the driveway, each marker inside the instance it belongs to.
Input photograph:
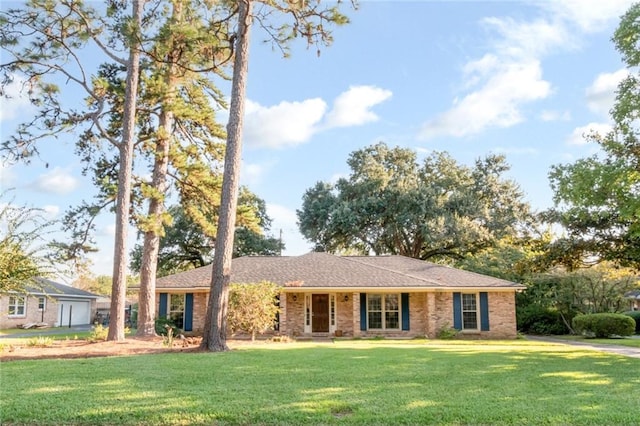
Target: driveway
(614, 349)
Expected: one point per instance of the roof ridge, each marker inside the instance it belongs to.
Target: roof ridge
(394, 271)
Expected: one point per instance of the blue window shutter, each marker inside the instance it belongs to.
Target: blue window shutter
(457, 311)
(363, 311)
(484, 311)
(163, 306)
(404, 301)
(188, 312)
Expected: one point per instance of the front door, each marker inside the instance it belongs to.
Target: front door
(320, 309)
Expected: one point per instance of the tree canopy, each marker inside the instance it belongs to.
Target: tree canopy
(24, 252)
(596, 198)
(391, 204)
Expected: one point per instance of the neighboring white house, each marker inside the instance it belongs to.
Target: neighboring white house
(47, 302)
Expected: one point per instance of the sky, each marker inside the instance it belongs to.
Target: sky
(526, 79)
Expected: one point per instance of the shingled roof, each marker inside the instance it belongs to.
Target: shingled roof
(45, 287)
(323, 270)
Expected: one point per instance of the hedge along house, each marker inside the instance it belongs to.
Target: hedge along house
(356, 296)
(48, 303)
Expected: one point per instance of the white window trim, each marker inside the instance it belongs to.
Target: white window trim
(462, 311)
(44, 304)
(16, 305)
(383, 322)
(184, 305)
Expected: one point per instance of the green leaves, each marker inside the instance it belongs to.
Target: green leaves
(390, 204)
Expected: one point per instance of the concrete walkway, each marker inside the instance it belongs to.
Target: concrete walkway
(614, 349)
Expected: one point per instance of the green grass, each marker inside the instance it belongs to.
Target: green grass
(348, 382)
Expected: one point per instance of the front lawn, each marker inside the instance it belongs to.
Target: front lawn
(353, 382)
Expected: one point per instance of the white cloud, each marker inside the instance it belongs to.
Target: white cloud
(285, 220)
(107, 230)
(495, 104)
(353, 107)
(553, 115)
(252, 173)
(285, 124)
(57, 181)
(51, 210)
(16, 101)
(588, 15)
(602, 92)
(578, 136)
(7, 177)
(516, 52)
(294, 123)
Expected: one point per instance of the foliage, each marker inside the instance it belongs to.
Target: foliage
(636, 317)
(447, 333)
(390, 382)
(98, 333)
(536, 319)
(595, 290)
(185, 244)
(390, 204)
(604, 325)
(24, 255)
(40, 341)
(163, 325)
(596, 197)
(252, 307)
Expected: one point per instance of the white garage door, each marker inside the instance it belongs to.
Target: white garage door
(78, 312)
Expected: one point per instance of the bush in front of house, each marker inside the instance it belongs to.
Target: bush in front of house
(536, 319)
(164, 324)
(636, 317)
(604, 325)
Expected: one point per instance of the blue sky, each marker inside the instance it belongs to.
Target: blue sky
(525, 79)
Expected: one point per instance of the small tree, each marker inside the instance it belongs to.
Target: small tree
(252, 307)
(24, 254)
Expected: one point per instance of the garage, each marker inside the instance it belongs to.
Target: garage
(74, 312)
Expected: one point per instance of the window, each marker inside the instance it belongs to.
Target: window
(42, 303)
(469, 312)
(176, 309)
(383, 311)
(16, 306)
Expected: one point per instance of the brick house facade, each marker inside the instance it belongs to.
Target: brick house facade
(47, 303)
(356, 296)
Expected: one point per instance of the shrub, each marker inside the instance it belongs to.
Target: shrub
(536, 319)
(447, 332)
(164, 324)
(40, 341)
(636, 317)
(604, 325)
(98, 333)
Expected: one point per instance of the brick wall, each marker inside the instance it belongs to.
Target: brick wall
(32, 313)
(429, 313)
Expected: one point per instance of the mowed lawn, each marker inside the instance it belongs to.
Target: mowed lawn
(347, 382)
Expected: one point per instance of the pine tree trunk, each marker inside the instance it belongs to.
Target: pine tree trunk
(151, 244)
(215, 331)
(123, 201)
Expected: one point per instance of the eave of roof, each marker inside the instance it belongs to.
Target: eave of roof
(322, 271)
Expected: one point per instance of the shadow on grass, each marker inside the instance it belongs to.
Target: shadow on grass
(325, 384)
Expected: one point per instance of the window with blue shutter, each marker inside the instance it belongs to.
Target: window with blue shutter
(188, 312)
(484, 311)
(457, 311)
(162, 312)
(363, 311)
(404, 301)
